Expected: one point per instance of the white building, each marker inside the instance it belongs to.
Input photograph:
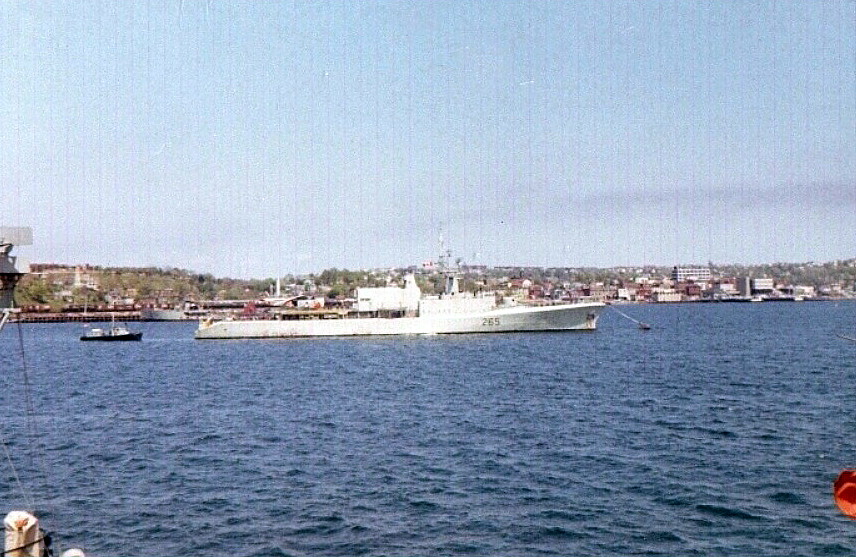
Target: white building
(666, 295)
(725, 288)
(762, 285)
(695, 274)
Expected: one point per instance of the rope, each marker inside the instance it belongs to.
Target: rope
(27, 499)
(28, 399)
(621, 313)
(37, 456)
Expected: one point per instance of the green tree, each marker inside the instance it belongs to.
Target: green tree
(33, 291)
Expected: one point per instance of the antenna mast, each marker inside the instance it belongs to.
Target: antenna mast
(11, 269)
(445, 255)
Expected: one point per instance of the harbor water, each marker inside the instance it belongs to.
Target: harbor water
(718, 432)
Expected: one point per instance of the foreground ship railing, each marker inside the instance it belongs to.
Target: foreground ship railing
(24, 537)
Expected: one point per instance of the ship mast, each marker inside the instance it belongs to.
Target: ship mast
(11, 269)
(451, 286)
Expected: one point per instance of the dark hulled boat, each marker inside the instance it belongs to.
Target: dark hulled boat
(113, 333)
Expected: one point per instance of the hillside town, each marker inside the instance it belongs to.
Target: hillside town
(59, 292)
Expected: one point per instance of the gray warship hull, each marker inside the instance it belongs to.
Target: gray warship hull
(561, 317)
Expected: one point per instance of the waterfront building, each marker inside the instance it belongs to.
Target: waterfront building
(762, 285)
(666, 295)
(725, 288)
(695, 274)
(692, 290)
(744, 286)
(625, 294)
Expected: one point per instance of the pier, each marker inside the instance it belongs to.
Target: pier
(74, 317)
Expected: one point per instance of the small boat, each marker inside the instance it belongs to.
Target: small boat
(115, 332)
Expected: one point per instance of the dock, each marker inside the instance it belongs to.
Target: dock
(74, 317)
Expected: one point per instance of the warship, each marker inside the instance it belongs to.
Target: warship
(395, 310)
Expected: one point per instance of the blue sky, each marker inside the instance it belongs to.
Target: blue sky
(255, 139)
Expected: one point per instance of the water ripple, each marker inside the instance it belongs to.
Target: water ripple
(707, 437)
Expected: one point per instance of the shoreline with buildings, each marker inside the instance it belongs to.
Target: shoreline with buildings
(83, 293)
(238, 308)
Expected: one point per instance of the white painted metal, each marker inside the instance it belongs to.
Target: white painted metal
(565, 317)
(22, 535)
(16, 235)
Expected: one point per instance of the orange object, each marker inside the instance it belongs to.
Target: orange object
(845, 492)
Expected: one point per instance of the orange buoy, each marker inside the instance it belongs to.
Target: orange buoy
(845, 492)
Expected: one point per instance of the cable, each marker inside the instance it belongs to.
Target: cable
(27, 498)
(36, 439)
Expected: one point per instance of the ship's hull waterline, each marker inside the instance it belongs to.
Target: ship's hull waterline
(564, 317)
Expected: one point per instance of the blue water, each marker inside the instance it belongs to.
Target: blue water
(718, 432)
